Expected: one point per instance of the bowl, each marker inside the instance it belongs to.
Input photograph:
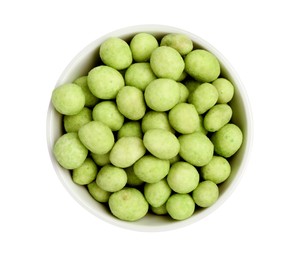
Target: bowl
(89, 58)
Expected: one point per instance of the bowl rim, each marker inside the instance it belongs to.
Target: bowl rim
(164, 29)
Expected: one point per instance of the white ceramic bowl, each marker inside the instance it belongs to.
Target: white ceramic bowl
(84, 62)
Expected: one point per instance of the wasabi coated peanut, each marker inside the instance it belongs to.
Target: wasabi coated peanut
(227, 140)
(154, 119)
(203, 97)
(98, 193)
(159, 210)
(116, 53)
(202, 65)
(217, 170)
(111, 178)
(128, 204)
(69, 151)
(126, 151)
(86, 173)
(205, 194)
(157, 193)
(196, 148)
(108, 113)
(162, 94)
(180, 206)
(75, 122)
(142, 45)
(130, 103)
(218, 116)
(132, 178)
(90, 99)
(101, 159)
(183, 177)
(225, 90)
(178, 41)
(131, 128)
(161, 143)
(151, 169)
(166, 62)
(184, 118)
(104, 82)
(97, 137)
(68, 99)
(139, 75)
(184, 93)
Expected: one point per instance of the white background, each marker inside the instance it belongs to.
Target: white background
(261, 219)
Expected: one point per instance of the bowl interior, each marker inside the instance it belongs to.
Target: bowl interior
(89, 58)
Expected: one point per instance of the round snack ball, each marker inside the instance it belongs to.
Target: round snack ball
(116, 53)
(225, 90)
(90, 99)
(161, 143)
(159, 210)
(157, 193)
(128, 204)
(178, 41)
(104, 82)
(184, 118)
(142, 45)
(69, 151)
(126, 151)
(75, 122)
(111, 178)
(162, 94)
(101, 159)
(227, 140)
(196, 148)
(166, 62)
(139, 75)
(97, 137)
(151, 169)
(130, 103)
(86, 173)
(202, 65)
(131, 128)
(98, 193)
(203, 97)
(180, 206)
(68, 99)
(154, 119)
(133, 179)
(184, 93)
(205, 194)
(183, 177)
(218, 116)
(217, 170)
(108, 113)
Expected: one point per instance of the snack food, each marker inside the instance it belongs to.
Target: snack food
(166, 62)
(68, 99)
(156, 124)
(205, 194)
(69, 151)
(128, 204)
